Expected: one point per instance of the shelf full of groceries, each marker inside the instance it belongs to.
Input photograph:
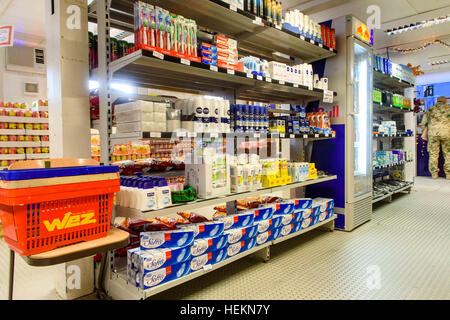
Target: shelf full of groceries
(164, 249)
(24, 132)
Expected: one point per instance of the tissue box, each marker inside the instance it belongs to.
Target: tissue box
(269, 235)
(213, 257)
(290, 228)
(241, 220)
(146, 280)
(204, 229)
(166, 239)
(304, 214)
(270, 224)
(236, 248)
(305, 223)
(302, 203)
(263, 213)
(235, 235)
(202, 246)
(148, 260)
(290, 218)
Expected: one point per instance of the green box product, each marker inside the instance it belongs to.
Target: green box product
(398, 101)
(377, 96)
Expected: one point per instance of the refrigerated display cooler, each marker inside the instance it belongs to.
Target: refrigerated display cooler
(350, 155)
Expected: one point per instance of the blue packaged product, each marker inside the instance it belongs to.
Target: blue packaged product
(131, 262)
(290, 228)
(208, 47)
(238, 247)
(213, 257)
(302, 203)
(235, 235)
(263, 213)
(166, 239)
(290, 217)
(284, 207)
(304, 214)
(321, 205)
(202, 246)
(204, 229)
(305, 223)
(149, 279)
(323, 216)
(269, 235)
(240, 220)
(148, 260)
(270, 224)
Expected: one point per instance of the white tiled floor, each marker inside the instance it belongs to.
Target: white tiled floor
(407, 241)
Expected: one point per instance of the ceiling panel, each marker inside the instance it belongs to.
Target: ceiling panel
(424, 6)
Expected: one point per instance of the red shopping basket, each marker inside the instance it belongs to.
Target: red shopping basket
(42, 209)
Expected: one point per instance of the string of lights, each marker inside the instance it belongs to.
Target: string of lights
(425, 45)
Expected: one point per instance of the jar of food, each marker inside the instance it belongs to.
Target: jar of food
(21, 126)
(20, 150)
(37, 150)
(12, 138)
(28, 138)
(4, 137)
(28, 126)
(36, 126)
(36, 138)
(4, 150)
(12, 150)
(29, 150)
(12, 126)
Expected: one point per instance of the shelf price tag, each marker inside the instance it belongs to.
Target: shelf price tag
(214, 135)
(213, 68)
(295, 85)
(268, 79)
(249, 75)
(316, 135)
(320, 45)
(155, 134)
(192, 134)
(233, 8)
(278, 26)
(259, 77)
(328, 96)
(158, 55)
(230, 71)
(281, 82)
(302, 37)
(312, 41)
(292, 136)
(207, 267)
(257, 135)
(305, 136)
(327, 135)
(258, 21)
(186, 62)
(181, 134)
(331, 49)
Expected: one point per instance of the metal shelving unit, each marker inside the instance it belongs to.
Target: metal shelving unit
(390, 194)
(121, 288)
(387, 82)
(381, 108)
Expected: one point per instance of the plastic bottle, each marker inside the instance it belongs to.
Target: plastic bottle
(147, 199)
(163, 194)
(130, 185)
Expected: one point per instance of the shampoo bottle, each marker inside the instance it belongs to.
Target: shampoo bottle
(163, 194)
(147, 199)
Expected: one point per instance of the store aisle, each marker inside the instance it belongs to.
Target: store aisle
(407, 242)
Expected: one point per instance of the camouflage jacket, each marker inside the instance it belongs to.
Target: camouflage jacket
(437, 120)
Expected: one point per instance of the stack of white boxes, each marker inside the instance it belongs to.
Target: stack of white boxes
(301, 74)
(138, 116)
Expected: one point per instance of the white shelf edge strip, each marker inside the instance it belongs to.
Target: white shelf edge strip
(168, 285)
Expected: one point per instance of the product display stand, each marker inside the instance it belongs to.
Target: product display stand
(148, 68)
(385, 142)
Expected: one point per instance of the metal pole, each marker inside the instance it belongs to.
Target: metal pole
(11, 274)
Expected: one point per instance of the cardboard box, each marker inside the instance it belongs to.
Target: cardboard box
(238, 247)
(235, 235)
(146, 280)
(269, 235)
(213, 257)
(240, 220)
(290, 228)
(166, 239)
(153, 259)
(205, 245)
(204, 229)
(270, 224)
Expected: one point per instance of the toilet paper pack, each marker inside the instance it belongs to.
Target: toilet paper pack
(238, 247)
(269, 235)
(290, 228)
(290, 218)
(304, 214)
(235, 235)
(323, 216)
(204, 229)
(305, 223)
(149, 279)
(321, 205)
(270, 224)
(206, 245)
(213, 257)
(263, 213)
(148, 260)
(166, 239)
(284, 207)
(302, 203)
(240, 220)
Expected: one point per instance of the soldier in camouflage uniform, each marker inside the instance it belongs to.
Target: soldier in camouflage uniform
(437, 122)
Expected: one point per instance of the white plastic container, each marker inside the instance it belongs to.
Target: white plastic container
(147, 198)
(163, 194)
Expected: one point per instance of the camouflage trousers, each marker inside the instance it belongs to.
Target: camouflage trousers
(433, 150)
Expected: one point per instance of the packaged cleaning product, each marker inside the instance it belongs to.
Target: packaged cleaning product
(206, 245)
(238, 247)
(269, 235)
(148, 260)
(149, 279)
(213, 257)
(235, 235)
(240, 220)
(270, 224)
(166, 239)
(204, 229)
